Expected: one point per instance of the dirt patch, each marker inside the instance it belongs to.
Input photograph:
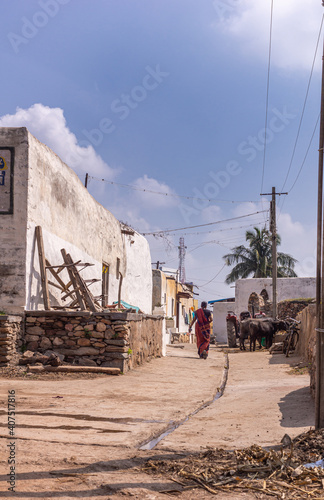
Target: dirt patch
(80, 438)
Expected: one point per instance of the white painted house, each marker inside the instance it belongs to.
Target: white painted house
(287, 288)
(245, 289)
(38, 189)
(220, 311)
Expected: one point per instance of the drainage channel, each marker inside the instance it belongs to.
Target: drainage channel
(149, 445)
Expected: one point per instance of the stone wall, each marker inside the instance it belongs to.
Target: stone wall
(10, 334)
(306, 346)
(290, 308)
(121, 340)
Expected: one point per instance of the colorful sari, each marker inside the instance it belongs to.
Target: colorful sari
(202, 332)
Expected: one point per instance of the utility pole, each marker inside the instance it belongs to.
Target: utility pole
(273, 230)
(319, 385)
(86, 181)
(157, 264)
(274, 252)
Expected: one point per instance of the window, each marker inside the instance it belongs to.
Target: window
(6, 180)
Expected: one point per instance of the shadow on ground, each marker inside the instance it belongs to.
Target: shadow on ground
(297, 409)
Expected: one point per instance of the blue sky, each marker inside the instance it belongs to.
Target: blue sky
(170, 96)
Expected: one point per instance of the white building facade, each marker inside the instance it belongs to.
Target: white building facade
(287, 288)
(38, 189)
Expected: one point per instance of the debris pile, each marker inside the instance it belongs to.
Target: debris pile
(48, 358)
(278, 473)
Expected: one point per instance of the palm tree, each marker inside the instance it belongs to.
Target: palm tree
(257, 259)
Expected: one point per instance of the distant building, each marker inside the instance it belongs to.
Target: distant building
(173, 299)
(254, 294)
(220, 309)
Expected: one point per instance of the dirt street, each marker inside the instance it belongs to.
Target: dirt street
(81, 437)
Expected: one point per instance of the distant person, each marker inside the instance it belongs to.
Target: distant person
(202, 329)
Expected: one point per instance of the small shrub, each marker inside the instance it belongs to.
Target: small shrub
(87, 333)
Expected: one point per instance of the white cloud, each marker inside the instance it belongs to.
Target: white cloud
(211, 214)
(154, 200)
(49, 126)
(296, 26)
(260, 211)
(300, 242)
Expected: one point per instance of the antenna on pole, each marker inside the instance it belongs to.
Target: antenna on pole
(182, 253)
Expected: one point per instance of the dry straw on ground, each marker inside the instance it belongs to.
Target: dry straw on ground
(278, 473)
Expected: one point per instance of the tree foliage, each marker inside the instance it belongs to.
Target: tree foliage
(256, 260)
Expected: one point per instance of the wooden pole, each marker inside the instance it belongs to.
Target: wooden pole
(42, 267)
(120, 289)
(68, 261)
(274, 253)
(319, 386)
(74, 369)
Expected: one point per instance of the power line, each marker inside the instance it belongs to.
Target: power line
(304, 106)
(166, 231)
(172, 195)
(267, 97)
(303, 162)
(226, 229)
(204, 284)
(302, 165)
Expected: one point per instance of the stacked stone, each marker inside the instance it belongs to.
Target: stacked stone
(9, 335)
(290, 308)
(97, 341)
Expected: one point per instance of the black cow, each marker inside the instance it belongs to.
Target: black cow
(265, 327)
(244, 332)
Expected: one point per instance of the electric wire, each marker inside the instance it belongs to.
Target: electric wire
(166, 231)
(226, 229)
(172, 195)
(207, 283)
(267, 97)
(303, 162)
(304, 107)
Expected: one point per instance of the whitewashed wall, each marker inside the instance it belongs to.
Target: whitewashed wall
(287, 288)
(13, 227)
(220, 310)
(137, 285)
(49, 194)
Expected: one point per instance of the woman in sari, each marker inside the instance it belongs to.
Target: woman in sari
(203, 319)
